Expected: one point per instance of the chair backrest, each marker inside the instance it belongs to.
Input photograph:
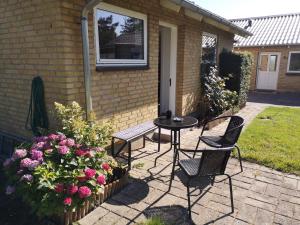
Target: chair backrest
(233, 131)
(214, 161)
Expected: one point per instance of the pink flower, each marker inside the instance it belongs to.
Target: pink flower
(61, 137)
(7, 162)
(10, 189)
(59, 188)
(63, 150)
(105, 166)
(27, 178)
(25, 163)
(68, 201)
(33, 164)
(72, 189)
(101, 179)
(89, 173)
(37, 155)
(19, 154)
(70, 142)
(40, 145)
(80, 152)
(53, 137)
(84, 192)
(63, 142)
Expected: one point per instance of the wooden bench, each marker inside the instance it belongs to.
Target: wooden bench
(130, 134)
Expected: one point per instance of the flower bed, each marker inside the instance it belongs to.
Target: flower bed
(56, 176)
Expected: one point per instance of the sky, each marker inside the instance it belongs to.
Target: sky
(231, 9)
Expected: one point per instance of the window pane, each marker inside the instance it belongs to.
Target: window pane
(120, 36)
(294, 62)
(272, 63)
(209, 49)
(263, 63)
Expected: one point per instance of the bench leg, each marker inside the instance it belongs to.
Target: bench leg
(129, 155)
(113, 147)
(159, 131)
(144, 141)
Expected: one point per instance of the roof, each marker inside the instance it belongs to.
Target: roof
(203, 12)
(272, 30)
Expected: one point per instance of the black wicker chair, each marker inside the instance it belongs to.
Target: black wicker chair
(230, 137)
(212, 163)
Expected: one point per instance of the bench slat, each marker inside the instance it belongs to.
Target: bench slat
(136, 131)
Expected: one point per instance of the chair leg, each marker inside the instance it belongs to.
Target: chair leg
(113, 147)
(231, 193)
(144, 141)
(129, 155)
(240, 158)
(212, 182)
(159, 131)
(196, 147)
(189, 199)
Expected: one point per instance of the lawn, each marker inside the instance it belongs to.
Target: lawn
(273, 139)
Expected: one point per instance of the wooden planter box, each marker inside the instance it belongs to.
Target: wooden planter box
(89, 205)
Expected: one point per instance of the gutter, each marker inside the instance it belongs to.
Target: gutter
(86, 54)
(191, 6)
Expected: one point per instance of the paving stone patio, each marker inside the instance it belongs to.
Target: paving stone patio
(261, 195)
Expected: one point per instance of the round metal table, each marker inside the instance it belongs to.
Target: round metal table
(174, 127)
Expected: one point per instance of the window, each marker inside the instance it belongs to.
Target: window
(209, 52)
(121, 36)
(294, 62)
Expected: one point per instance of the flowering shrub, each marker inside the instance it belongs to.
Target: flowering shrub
(55, 173)
(73, 124)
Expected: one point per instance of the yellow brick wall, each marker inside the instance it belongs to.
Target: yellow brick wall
(286, 82)
(41, 37)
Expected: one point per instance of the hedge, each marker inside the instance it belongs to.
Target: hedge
(237, 66)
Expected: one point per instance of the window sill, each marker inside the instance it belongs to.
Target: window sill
(292, 74)
(120, 68)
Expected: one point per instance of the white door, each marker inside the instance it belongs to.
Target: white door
(268, 69)
(168, 62)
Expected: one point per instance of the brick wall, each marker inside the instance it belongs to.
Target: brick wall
(286, 82)
(43, 37)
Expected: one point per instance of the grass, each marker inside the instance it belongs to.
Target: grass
(273, 139)
(153, 221)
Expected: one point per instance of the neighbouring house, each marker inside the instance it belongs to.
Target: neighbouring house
(124, 59)
(275, 45)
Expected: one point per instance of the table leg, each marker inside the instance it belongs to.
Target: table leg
(174, 156)
(155, 161)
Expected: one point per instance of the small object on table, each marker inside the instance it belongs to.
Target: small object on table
(177, 119)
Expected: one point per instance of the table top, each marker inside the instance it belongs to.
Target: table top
(169, 124)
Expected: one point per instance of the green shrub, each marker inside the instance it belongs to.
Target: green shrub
(73, 124)
(237, 66)
(215, 93)
(153, 221)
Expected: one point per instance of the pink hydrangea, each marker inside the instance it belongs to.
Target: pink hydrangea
(61, 137)
(40, 145)
(101, 179)
(63, 150)
(10, 189)
(72, 189)
(105, 166)
(7, 162)
(27, 178)
(59, 188)
(89, 173)
(37, 155)
(19, 154)
(28, 163)
(70, 142)
(68, 201)
(53, 137)
(80, 152)
(84, 192)
(63, 142)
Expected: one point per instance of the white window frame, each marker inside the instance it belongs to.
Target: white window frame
(120, 62)
(288, 65)
(217, 42)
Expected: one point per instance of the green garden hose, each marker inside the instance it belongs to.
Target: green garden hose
(37, 118)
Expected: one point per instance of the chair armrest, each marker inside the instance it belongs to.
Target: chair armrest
(191, 150)
(208, 121)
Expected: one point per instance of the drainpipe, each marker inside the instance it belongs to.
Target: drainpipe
(86, 54)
